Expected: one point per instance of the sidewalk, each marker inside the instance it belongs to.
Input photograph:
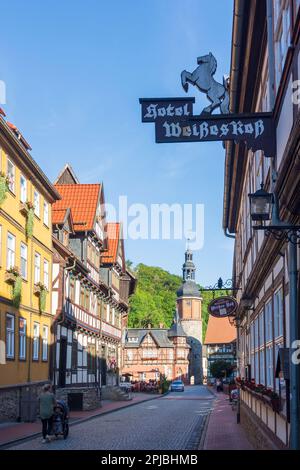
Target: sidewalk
(223, 432)
(11, 431)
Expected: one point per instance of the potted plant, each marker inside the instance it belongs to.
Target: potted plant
(13, 277)
(11, 274)
(28, 210)
(40, 290)
(4, 186)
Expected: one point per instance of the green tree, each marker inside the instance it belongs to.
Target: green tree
(154, 300)
(219, 369)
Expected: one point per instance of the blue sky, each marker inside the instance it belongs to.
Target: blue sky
(74, 72)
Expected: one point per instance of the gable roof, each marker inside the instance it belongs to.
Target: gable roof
(113, 238)
(219, 331)
(83, 200)
(59, 217)
(67, 176)
(159, 335)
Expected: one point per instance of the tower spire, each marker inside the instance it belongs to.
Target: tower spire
(188, 268)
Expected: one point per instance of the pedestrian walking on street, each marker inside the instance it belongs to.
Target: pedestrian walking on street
(47, 402)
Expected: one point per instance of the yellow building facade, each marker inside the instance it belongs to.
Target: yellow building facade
(25, 264)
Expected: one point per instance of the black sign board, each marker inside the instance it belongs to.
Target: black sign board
(223, 307)
(175, 122)
(165, 108)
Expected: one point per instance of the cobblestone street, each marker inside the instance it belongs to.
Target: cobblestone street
(173, 422)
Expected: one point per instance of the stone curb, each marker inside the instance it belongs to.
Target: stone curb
(78, 421)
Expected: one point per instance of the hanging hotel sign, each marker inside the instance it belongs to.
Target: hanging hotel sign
(223, 307)
(175, 121)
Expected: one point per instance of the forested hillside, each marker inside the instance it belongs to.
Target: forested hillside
(154, 301)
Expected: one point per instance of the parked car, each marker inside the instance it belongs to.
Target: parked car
(177, 386)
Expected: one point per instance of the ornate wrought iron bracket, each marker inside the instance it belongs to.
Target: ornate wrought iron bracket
(284, 233)
(221, 286)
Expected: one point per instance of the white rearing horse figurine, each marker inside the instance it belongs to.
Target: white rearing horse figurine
(203, 79)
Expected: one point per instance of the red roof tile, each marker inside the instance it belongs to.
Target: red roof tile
(219, 331)
(19, 135)
(113, 236)
(58, 216)
(82, 199)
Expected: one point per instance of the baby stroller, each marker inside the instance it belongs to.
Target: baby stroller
(61, 419)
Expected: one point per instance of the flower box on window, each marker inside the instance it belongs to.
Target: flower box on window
(12, 274)
(38, 288)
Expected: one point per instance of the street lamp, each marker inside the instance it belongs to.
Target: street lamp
(261, 205)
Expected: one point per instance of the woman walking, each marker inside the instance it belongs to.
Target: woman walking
(47, 402)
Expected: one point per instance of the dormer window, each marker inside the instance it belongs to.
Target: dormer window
(133, 339)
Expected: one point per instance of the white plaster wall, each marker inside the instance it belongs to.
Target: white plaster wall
(281, 428)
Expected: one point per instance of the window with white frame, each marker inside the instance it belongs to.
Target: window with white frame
(24, 261)
(149, 353)
(45, 343)
(269, 366)
(11, 250)
(269, 321)
(129, 355)
(262, 379)
(11, 175)
(261, 329)
(36, 201)
(46, 213)
(278, 313)
(256, 367)
(23, 189)
(22, 338)
(37, 268)
(113, 316)
(46, 273)
(282, 36)
(10, 336)
(36, 341)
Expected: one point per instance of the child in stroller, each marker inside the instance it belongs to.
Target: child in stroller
(61, 419)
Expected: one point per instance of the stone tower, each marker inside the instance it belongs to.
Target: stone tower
(189, 303)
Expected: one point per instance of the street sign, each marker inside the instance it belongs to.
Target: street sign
(223, 307)
(175, 121)
(154, 109)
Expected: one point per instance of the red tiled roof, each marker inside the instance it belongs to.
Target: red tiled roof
(19, 135)
(113, 235)
(219, 331)
(82, 199)
(58, 216)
